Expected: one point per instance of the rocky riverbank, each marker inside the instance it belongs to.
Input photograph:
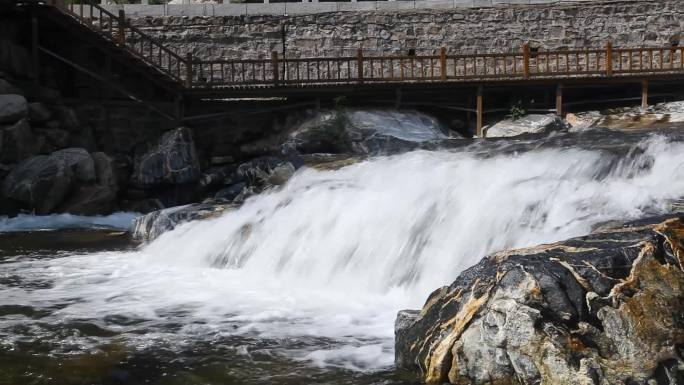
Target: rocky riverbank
(51, 162)
(606, 308)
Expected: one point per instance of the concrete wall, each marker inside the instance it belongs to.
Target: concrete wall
(461, 30)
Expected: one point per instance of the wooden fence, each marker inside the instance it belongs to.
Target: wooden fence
(359, 69)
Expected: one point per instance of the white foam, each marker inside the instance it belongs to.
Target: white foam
(26, 222)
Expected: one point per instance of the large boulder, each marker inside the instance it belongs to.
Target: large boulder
(41, 183)
(173, 161)
(607, 308)
(152, 225)
(528, 124)
(90, 200)
(355, 131)
(18, 143)
(12, 108)
(80, 161)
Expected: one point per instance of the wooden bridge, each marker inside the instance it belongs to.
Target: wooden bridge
(195, 78)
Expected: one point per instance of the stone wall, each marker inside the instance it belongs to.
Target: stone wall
(466, 30)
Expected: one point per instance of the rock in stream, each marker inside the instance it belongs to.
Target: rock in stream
(607, 308)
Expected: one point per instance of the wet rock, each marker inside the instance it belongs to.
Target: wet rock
(173, 161)
(38, 113)
(263, 171)
(80, 161)
(583, 121)
(12, 108)
(90, 200)
(215, 176)
(152, 225)
(602, 309)
(528, 124)
(41, 183)
(363, 132)
(231, 192)
(19, 142)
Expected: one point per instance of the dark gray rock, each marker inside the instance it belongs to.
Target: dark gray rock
(142, 206)
(80, 162)
(41, 183)
(265, 171)
(173, 161)
(56, 137)
(12, 108)
(38, 113)
(67, 118)
(231, 192)
(215, 176)
(9, 88)
(19, 143)
(90, 200)
(602, 309)
(353, 131)
(152, 225)
(105, 171)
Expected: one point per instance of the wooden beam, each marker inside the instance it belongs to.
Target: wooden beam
(397, 101)
(644, 94)
(34, 50)
(479, 108)
(113, 85)
(559, 99)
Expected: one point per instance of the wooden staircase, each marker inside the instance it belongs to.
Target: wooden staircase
(114, 33)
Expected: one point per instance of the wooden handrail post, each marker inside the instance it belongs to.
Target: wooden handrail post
(359, 63)
(442, 63)
(188, 69)
(609, 58)
(644, 94)
(122, 28)
(274, 63)
(526, 60)
(479, 111)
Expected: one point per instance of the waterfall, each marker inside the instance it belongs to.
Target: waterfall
(333, 255)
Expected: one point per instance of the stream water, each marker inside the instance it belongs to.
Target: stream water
(302, 284)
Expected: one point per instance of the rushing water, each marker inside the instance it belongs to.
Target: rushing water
(302, 285)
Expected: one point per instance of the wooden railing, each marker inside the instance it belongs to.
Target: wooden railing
(359, 69)
(119, 30)
(525, 63)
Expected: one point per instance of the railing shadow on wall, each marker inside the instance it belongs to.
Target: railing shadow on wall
(525, 63)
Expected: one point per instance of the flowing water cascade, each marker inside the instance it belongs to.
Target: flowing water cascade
(311, 275)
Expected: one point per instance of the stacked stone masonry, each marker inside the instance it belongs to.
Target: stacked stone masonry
(464, 30)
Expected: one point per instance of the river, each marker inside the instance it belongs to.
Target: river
(302, 284)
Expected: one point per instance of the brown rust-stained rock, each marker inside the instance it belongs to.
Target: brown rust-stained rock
(607, 308)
